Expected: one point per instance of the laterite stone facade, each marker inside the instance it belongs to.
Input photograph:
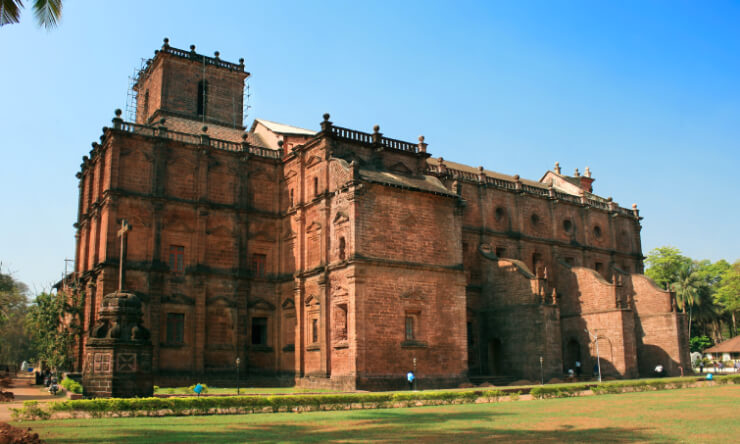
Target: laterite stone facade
(344, 259)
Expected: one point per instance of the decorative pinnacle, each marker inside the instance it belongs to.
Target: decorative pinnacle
(376, 128)
(216, 54)
(241, 61)
(280, 143)
(634, 206)
(609, 199)
(326, 117)
(577, 173)
(244, 137)
(192, 48)
(166, 42)
(118, 112)
(557, 167)
(588, 172)
(516, 177)
(421, 139)
(205, 129)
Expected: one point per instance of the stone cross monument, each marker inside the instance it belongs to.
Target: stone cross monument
(118, 356)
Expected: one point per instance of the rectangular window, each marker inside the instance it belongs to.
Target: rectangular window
(177, 258)
(259, 262)
(500, 251)
(259, 331)
(175, 328)
(314, 330)
(410, 328)
(598, 266)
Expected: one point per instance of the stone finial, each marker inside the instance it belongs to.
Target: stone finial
(377, 136)
(117, 121)
(441, 160)
(281, 143)
(588, 172)
(244, 137)
(609, 199)
(326, 124)
(481, 169)
(422, 145)
(204, 129)
(557, 167)
(577, 173)
(192, 48)
(241, 61)
(216, 54)
(516, 177)
(634, 206)
(166, 43)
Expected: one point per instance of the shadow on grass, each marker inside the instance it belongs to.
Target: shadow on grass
(365, 426)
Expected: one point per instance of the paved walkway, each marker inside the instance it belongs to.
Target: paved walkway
(24, 391)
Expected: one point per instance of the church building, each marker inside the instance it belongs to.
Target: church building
(342, 259)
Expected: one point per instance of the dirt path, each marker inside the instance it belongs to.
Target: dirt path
(24, 391)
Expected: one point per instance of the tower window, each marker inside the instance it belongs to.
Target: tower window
(202, 99)
(315, 186)
(259, 263)
(342, 248)
(410, 328)
(314, 330)
(177, 258)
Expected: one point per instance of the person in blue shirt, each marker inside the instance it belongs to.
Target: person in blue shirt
(410, 377)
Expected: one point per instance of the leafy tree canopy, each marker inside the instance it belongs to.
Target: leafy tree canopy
(47, 12)
(664, 265)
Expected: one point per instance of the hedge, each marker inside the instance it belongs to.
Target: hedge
(101, 407)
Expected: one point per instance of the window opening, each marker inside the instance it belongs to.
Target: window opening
(259, 331)
(259, 262)
(175, 328)
(177, 258)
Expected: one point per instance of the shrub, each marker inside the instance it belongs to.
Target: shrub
(71, 385)
(558, 391)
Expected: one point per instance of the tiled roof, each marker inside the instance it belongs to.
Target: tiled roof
(282, 128)
(728, 346)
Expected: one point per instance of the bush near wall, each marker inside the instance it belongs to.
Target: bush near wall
(100, 407)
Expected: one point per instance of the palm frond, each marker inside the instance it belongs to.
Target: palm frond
(47, 12)
(10, 11)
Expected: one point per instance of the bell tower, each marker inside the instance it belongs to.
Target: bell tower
(183, 85)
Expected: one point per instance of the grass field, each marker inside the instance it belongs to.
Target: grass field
(700, 415)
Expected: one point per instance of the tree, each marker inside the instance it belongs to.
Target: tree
(47, 12)
(728, 293)
(52, 325)
(13, 306)
(687, 285)
(664, 264)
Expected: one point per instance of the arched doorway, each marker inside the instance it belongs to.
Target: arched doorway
(495, 357)
(572, 354)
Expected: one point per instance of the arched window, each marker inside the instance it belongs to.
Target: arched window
(342, 248)
(202, 99)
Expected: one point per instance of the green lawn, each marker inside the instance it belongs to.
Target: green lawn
(707, 414)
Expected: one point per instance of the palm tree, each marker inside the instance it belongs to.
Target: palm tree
(687, 287)
(47, 12)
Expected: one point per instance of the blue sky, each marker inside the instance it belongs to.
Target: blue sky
(645, 93)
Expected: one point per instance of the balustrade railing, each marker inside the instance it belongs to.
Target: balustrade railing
(497, 182)
(192, 55)
(361, 137)
(195, 139)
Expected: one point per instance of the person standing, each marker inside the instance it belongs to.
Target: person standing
(410, 377)
(578, 368)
